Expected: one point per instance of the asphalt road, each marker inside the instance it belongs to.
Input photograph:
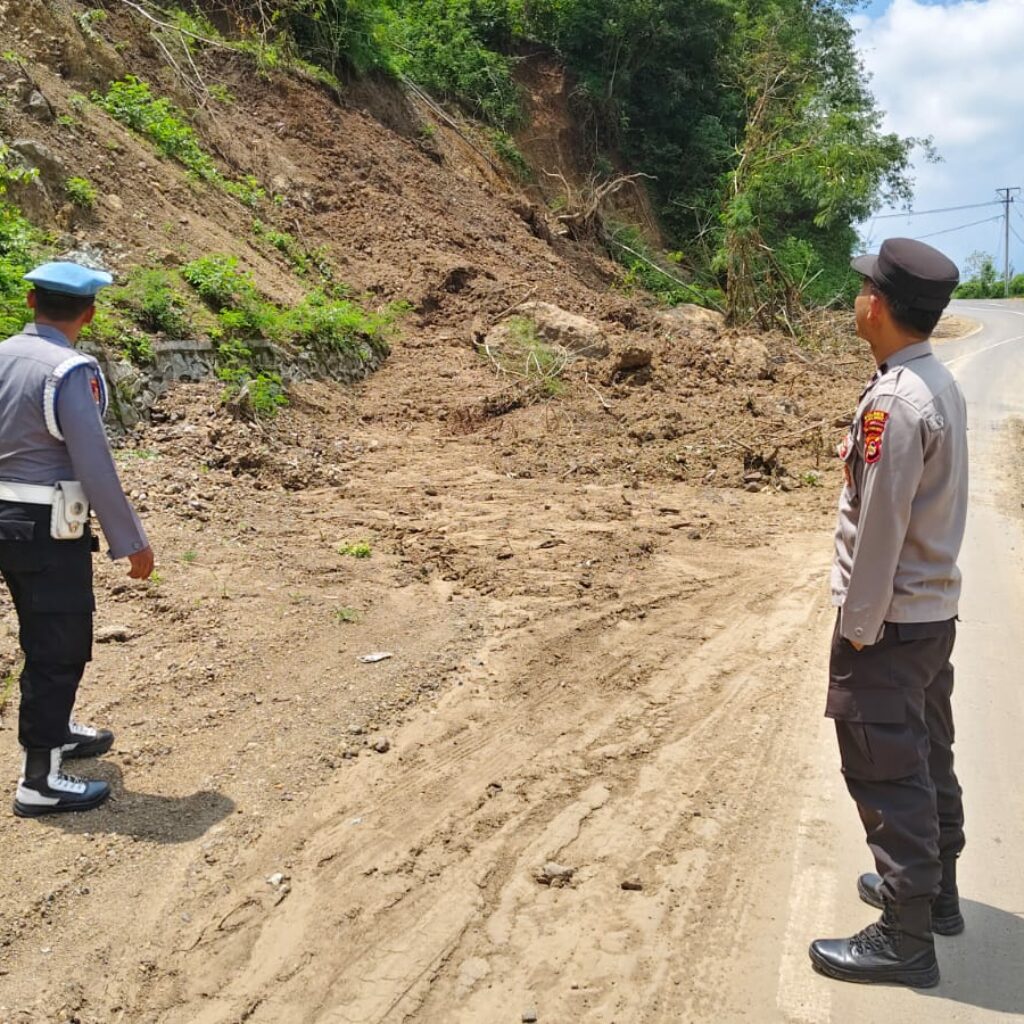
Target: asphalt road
(983, 969)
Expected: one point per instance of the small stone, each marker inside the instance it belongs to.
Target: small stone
(38, 106)
(554, 875)
(381, 744)
(529, 1017)
(277, 879)
(113, 634)
(632, 885)
(753, 487)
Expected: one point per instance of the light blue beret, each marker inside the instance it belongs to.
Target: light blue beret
(69, 278)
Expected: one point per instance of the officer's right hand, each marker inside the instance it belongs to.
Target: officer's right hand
(141, 564)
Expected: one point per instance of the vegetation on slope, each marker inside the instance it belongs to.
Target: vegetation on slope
(753, 116)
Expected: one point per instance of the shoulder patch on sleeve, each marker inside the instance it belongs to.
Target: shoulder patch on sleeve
(51, 391)
(874, 427)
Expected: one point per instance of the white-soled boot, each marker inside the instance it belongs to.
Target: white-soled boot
(44, 789)
(85, 741)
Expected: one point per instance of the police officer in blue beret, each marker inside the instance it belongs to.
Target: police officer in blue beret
(56, 463)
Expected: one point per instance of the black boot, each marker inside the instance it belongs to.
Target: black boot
(85, 741)
(897, 950)
(946, 916)
(45, 789)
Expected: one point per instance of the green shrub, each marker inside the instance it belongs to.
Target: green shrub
(290, 247)
(628, 248)
(110, 330)
(20, 245)
(526, 357)
(82, 192)
(247, 190)
(218, 280)
(322, 322)
(130, 102)
(507, 149)
(221, 93)
(154, 303)
(263, 389)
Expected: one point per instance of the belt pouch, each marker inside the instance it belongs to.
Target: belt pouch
(70, 511)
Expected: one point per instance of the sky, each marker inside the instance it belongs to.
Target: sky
(954, 71)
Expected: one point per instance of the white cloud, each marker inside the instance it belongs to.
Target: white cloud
(954, 72)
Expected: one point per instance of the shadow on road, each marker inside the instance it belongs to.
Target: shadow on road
(985, 965)
(146, 816)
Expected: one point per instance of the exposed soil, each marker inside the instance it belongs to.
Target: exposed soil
(579, 595)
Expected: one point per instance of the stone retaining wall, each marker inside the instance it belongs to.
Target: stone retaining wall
(134, 390)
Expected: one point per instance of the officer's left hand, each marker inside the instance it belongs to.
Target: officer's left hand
(141, 564)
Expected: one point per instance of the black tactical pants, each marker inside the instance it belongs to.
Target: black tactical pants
(51, 584)
(894, 722)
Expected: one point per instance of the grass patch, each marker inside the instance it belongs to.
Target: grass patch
(302, 259)
(526, 356)
(358, 549)
(347, 615)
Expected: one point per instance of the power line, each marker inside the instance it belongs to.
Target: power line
(973, 224)
(947, 209)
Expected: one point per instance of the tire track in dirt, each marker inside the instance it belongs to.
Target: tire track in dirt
(426, 908)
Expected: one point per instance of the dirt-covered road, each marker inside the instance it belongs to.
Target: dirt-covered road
(592, 783)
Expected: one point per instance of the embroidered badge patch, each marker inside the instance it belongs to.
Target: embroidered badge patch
(874, 428)
(94, 386)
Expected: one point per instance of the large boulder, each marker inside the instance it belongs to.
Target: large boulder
(575, 333)
(687, 318)
(39, 156)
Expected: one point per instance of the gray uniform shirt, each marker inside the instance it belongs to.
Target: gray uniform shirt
(903, 508)
(29, 454)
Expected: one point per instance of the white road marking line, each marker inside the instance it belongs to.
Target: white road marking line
(991, 309)
(804, 997)
(981, 351)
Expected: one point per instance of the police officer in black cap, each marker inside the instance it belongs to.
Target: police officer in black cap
(55, 463)
(896, 585)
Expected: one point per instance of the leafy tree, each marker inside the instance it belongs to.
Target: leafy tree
(812, 162)
(981, 279)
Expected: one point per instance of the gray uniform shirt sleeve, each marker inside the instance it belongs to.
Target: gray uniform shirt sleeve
(887, 490)
(93, 464)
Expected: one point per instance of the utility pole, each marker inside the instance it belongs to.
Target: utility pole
(1007, 196)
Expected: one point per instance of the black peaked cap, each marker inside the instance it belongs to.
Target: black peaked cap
(911, 272)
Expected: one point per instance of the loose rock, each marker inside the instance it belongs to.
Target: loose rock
(555, 875)
(113, 635)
